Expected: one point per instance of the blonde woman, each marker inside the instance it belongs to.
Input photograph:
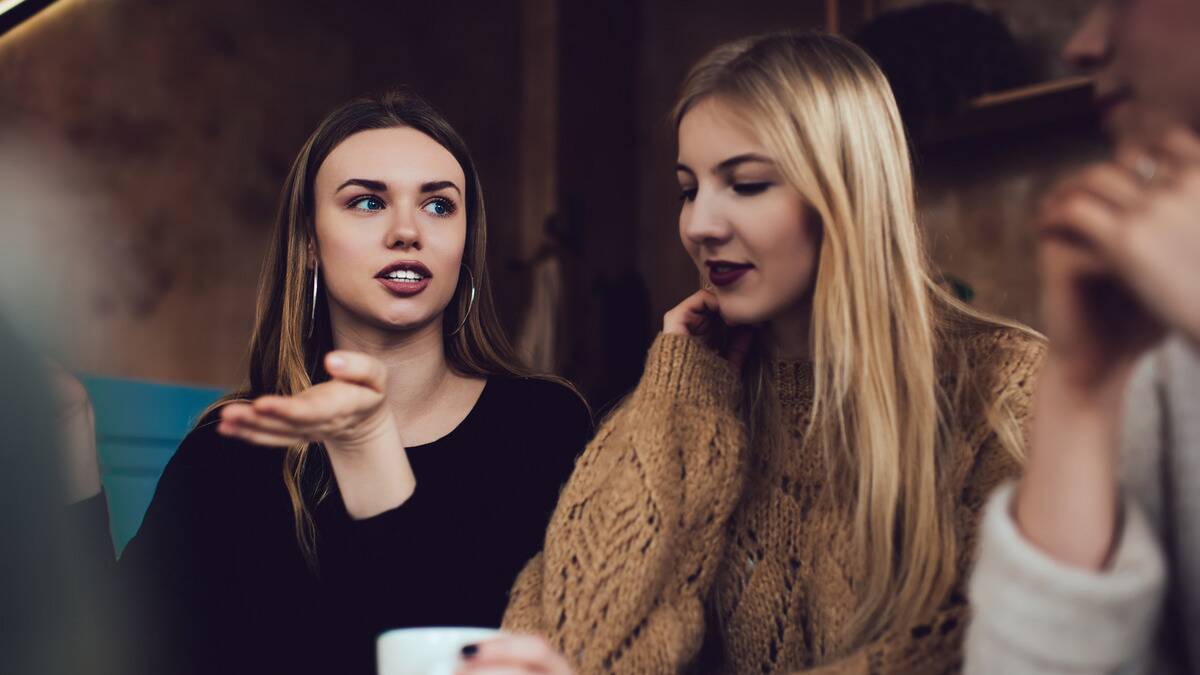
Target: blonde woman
(800, 493)
(386, 433)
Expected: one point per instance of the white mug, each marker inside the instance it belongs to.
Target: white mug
(425, 651)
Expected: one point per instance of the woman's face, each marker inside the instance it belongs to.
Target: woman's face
(749, 232)
(1141, 55)
(391, 226)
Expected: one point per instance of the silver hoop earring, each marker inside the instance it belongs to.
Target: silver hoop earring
(312, 318)
(470, 303)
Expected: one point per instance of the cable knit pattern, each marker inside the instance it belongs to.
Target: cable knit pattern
(674, 547)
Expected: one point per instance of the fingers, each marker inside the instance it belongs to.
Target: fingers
(357, 368)
(318, 406)
(1086, 211)
(693, 316)
(341, 409)
(1114, 185)
(1179, 146)
(239, 420)
(516, 654)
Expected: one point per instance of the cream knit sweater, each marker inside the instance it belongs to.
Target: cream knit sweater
(676, 547)
(1037, 616)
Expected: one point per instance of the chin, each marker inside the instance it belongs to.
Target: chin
(742, 311)
(405, 321)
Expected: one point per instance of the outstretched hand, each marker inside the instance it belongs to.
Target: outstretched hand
(350, 416)
(346, 412)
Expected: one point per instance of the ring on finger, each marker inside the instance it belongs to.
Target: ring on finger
(1146, 168)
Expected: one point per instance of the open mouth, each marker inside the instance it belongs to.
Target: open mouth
(405, 278)
(724, 273)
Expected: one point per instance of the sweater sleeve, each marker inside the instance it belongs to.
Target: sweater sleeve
(634, 543)
(1036, 615)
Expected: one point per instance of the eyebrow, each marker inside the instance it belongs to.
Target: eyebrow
(730, 163)
(439, 185)
(374, 185)
(380, 186)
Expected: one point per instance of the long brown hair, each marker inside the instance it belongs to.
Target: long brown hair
(287, 348)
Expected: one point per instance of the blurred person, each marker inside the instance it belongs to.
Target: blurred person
(388, 463)
(795, 483)
(56, 599)
(1091, 564)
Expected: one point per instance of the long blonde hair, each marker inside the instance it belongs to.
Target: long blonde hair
(826, 112)
(291, 336)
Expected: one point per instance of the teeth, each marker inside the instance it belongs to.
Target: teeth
(404, 275)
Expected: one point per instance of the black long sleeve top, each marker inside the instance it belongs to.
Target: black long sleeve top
(223, 586)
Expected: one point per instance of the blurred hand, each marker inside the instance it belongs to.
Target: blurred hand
(1140, 217)
(1120, 263)
(513, 655)
(349, 415)
(77, 420)
(699, 316)
(1097, 325)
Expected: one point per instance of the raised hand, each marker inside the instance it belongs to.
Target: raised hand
(699, 316)
(349, 415)
(1140, 216)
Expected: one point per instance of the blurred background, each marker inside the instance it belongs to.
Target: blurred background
(180, 120)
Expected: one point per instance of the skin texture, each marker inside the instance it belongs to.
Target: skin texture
(742, 212)
(1120, 263)
(1141, 48)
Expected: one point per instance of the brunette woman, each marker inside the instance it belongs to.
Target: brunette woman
(388, 462)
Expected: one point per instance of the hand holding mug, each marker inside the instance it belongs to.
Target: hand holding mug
(513, 655)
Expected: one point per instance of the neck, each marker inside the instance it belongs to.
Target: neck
(418, 371)
(788, 333)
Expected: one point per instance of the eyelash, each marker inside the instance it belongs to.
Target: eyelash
(450, 206)
(751, 189)
(353, 203)
(741, 189)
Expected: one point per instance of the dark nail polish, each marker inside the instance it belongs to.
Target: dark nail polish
(469, 651)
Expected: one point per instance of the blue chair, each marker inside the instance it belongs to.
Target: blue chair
(138, 427)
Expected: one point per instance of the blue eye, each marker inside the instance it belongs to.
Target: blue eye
(688, 194)
(439, 207)
(367, 203)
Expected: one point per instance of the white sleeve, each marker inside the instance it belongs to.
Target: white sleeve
(1037, 616)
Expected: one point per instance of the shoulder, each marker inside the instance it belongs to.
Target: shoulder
(994, 358)
(539, 393)
(546, 418)
(546, 403)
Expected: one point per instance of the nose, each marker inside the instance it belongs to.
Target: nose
(1090, 47)
(403, 231)
(704, 221)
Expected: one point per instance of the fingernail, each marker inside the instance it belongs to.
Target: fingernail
(469, 651)
(335, 361)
